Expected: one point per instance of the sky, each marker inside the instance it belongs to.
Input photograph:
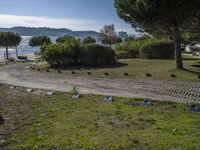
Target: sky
(71, 14)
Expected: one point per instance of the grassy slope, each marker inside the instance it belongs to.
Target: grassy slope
(59, 122)
(137, 69)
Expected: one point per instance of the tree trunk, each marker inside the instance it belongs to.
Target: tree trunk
(7, 53)
(178, 56)
(16, 52)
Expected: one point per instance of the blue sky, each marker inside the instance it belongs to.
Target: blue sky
(73, 14)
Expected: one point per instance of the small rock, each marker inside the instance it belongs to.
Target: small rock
(1, 120)
(73, 72)
(29, 90)
(59, 71)
(198, 76)
(147, 103)
(194, 108)
(76, 95)
(2, 141)
(50, 93)
(109, 98)
(12, 87)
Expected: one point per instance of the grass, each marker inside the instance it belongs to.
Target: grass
(36, 121)
(137, 69)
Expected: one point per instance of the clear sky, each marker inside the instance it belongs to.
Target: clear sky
(72, 14)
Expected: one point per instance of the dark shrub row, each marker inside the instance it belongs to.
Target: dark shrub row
(71, 52)
(157, 50)
(93, 54)
(146, 48)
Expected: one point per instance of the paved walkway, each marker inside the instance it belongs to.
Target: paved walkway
(180, 91)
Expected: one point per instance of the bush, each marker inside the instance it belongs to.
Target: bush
(161, 49)
(62, 54)
(95, 55)
(123, 54)
(89, 40)
(133, 48)
(39, 41)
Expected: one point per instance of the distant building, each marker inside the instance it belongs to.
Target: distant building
(122, 34)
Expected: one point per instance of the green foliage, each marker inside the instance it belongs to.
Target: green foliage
(62, 54)
(109, 35)
(68, 51)
(123, 54)
(39, 41)
(74, 90)
(89, 40)
(157, 17)
(68, 39)
(94, 54)
(9, 39)
(131, 47)
(157, 50)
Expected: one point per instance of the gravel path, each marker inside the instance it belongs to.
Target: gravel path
(180, 91)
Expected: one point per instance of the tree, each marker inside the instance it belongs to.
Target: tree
(9, 39)
(72, 41)
(39, 41)
(109, 35)
(89, 40)
(161, 17)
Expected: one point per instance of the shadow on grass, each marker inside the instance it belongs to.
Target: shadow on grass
(191, 71)
(82, 67)
(191, 58)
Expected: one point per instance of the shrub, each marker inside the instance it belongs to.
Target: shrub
(133, 48)
(89, 40)
(94, 54)
(161, 49)
(67, 39)
(119, 47)
(62, 54)
(39, 41)
(123, 54)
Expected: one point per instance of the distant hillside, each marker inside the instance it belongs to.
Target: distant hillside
(29, 31)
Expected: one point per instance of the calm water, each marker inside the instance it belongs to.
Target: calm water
(24, 48)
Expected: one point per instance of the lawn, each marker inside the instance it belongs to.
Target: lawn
(136, 69)
(36, 121)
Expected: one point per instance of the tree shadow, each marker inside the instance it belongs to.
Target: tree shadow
(191, 59)
(191, 71)
(84, 67)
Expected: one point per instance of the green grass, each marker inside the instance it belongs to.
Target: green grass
(36, 121)
(137, 69)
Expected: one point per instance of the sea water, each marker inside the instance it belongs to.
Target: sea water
(23, 48)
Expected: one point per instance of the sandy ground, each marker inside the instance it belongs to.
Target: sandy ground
(31, 57)
(181, 91)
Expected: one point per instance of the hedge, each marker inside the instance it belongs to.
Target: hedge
(95, 55)
(161, 49)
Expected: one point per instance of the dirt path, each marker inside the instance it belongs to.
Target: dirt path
(181, 91)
